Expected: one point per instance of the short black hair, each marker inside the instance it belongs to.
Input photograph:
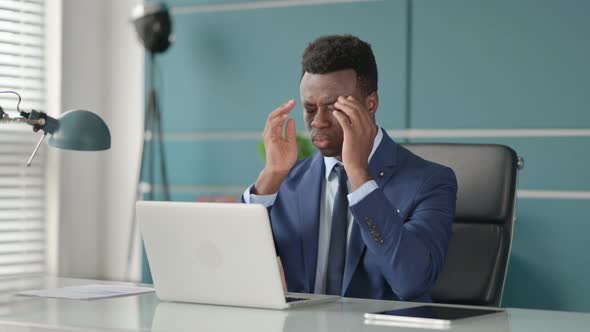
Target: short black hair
(332, 53)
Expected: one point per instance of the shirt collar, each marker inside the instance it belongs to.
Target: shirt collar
(330, 162)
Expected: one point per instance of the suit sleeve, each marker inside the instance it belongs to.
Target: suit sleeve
(411, 252)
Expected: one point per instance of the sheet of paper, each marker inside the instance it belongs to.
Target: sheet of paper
(87, 292)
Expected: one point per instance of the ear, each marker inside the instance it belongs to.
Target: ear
(372, 102)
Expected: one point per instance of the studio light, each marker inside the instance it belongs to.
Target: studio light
(154, 26)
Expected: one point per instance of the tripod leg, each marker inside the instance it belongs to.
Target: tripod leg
(147, 155)
(160, 140)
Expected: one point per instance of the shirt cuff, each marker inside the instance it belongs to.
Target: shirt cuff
(266, 200)
(361, 192)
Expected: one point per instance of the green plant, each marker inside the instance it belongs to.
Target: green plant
(304, 148)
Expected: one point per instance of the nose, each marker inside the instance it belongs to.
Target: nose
(321, 119)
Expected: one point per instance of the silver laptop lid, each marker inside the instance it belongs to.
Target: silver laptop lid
(213, 253)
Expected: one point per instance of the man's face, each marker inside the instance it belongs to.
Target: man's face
(319, 92)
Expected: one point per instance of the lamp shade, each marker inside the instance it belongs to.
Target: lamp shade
(80, 130)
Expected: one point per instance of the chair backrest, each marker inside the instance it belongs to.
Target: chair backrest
(479, 250)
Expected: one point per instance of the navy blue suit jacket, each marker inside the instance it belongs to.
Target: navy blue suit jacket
(400, 234)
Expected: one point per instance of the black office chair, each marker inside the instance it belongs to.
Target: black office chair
(479, 249)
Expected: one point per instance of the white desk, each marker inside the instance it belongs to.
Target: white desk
(145, 313)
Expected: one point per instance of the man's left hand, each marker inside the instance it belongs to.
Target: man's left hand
(359, 133)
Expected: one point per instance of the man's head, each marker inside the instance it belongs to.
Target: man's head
(334, 66)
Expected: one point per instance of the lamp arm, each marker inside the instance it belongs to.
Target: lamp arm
(39, 120)
(32, 122)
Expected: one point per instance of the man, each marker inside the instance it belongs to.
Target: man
(363, 217)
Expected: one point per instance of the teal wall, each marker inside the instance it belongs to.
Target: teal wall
(454, 64)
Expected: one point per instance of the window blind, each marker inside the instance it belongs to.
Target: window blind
(22, 189)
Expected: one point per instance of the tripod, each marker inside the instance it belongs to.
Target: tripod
(146, 182)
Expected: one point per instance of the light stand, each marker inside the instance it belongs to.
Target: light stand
(154, 28)
(152, 140)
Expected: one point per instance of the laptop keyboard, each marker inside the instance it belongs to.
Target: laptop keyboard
(294, 299)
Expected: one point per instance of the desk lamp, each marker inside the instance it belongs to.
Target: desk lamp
(73, 130)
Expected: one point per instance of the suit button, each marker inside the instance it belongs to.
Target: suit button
(381, 174)
(380, 241)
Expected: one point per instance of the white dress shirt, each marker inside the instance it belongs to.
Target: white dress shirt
(329, 189)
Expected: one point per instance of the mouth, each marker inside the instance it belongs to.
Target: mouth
(321, 142)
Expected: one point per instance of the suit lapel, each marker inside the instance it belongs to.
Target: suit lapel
(309, 197)
(381, 167)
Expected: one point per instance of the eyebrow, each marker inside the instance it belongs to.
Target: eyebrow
(307, 103)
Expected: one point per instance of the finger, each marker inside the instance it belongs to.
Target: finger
(277, 118)
(351, 98)
(290, 131)
(349, 109)
(351, 102)
(277, 121)
(343, 120)
(283, 109)
(361, 112)
(275, 126)
(362, 106)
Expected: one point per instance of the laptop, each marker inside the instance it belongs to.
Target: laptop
(215, 253)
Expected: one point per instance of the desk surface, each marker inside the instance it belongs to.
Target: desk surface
(145, 313)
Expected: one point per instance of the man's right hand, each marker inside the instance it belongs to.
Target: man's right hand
(281, 153)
